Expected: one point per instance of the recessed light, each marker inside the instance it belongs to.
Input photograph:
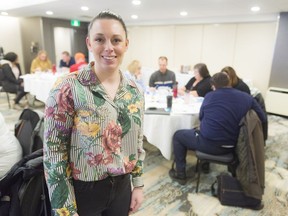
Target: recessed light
(183, 13)
(4, 13)
(84, 8)
(255, 9)
(136, 2)
(134, 16)
(49, 12)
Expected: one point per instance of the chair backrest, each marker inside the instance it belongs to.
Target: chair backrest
(24, 129)
(1, 75)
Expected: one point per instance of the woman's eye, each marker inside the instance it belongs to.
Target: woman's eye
(116, 40)
(99, 40)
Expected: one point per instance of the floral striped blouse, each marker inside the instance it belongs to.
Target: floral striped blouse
(88, 136)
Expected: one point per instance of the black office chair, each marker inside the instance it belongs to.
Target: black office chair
(7, 95)
(230, 160)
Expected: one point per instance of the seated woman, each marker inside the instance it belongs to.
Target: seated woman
(134, 72)
(41, 62)
(199, 85)
(10, 149)
(12, 82)
(236, 82)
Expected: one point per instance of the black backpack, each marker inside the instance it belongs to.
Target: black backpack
(23, 191)
(24, 129)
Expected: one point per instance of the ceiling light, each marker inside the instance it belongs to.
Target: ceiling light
(183, 13)
(136, 2)
(84, 8)
(49, 12)
(4, 13)
(134, 16)
(255, 8)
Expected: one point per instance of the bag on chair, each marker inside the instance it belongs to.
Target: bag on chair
(230, 193)
(28, 129)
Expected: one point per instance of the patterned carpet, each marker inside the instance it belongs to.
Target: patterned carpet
(164, 197)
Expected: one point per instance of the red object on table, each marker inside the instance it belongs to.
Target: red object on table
(53, 68)
(175, 90)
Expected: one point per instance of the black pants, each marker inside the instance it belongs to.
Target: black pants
(108, 197)
(17, 89)
(20, 94)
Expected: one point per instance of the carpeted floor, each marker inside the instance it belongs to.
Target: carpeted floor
(165, 197)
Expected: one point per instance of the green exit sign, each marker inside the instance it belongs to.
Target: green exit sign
(75, 23)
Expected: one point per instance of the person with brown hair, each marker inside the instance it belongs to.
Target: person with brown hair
(235, 81)
(66, 60)
(93, 144)
(198, 85)
(163, 76)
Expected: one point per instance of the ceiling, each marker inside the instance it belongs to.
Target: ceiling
(151, 12)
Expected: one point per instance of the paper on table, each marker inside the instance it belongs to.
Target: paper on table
(192, 108)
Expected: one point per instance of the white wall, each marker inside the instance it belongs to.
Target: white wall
(247, 47)
(10, 37)
(62, 40)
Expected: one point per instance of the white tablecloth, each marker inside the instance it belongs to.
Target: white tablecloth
(159, 129)
(40, 84)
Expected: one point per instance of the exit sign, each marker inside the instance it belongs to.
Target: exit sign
(75, 23)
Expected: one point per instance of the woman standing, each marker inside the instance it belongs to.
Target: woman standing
(93, 131)
(12, 82)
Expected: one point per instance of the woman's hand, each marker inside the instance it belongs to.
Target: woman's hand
(136, 199)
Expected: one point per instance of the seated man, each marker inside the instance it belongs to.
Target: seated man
(220, 115)
(66, 60)
(162, 77)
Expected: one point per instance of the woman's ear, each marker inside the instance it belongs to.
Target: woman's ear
(88, 43)
(127, 44)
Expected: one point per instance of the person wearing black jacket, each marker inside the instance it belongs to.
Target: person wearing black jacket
(12, 82)
(235, 81)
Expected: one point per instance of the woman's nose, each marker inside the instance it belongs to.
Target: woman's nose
(108, 46)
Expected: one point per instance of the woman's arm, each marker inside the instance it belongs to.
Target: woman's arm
(59, 115)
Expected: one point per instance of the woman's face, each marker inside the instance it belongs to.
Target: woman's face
(108, 43)
(42, 57)
(197, 74)
(138, 71)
